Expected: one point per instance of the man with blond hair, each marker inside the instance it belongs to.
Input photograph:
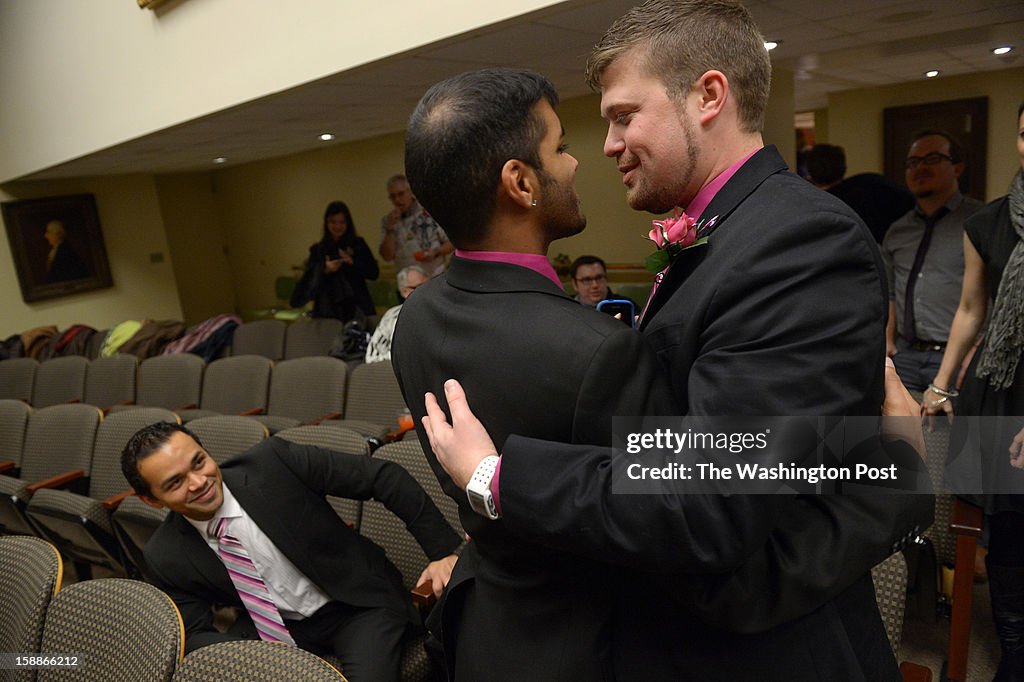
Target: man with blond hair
(781, 311)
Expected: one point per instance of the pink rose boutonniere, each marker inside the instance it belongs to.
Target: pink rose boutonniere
(672, 236)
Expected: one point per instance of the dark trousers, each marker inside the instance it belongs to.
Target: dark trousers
(916, 368)
(368, 642)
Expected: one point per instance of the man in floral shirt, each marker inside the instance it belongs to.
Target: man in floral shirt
(408, 235)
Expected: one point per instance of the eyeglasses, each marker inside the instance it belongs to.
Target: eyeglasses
(596, 279)
(913, 162)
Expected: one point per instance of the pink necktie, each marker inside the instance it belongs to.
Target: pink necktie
(250, 585)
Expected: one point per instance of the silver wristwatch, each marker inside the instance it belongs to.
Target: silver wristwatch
(478, 490)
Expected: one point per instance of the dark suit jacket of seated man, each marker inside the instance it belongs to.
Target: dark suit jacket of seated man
(281, 486)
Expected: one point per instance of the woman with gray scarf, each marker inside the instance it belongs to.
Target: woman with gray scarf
(994, 387)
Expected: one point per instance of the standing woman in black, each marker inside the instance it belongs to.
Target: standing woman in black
(993, 388)
(337, 269)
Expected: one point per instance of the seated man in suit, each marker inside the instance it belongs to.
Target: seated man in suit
(259, 534)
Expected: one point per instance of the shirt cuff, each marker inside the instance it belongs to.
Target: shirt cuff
(494, 486)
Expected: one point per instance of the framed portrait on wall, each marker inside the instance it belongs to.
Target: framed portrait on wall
(57, 246)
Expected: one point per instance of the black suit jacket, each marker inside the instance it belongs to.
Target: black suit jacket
(281, 485)
(782, 312)
(536, 362)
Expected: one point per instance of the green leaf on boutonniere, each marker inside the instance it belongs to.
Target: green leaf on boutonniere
(660, 259)
(656, 262)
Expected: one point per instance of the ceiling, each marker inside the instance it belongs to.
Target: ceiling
(830, 45)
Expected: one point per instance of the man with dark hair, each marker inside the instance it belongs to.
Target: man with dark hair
(876, 199)
(760, 320)
(485, 153)
(258, 535)
(924, 259)
(590, 279)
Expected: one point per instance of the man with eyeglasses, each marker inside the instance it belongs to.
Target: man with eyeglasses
(590, 278)
(924, 258)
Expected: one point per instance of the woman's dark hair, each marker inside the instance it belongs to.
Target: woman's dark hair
(349, 238)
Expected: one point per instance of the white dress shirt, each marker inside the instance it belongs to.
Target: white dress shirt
(295, 595)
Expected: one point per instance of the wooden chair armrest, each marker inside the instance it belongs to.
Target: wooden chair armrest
(252, 412)
(57, 481)
(319, 420)
(112, 502)
(967, 519)
(72, 402)
(186, 406)
(8, 465)
(423, 595)
(106, 410)
(912, 672)
(394, 435)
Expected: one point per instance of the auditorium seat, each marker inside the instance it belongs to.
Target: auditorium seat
(122, 629)
(374, 400)
(262, 337)
(234, 385)
(254, 661)
(57, 453)
(14, 416)
(225, 436)
(111, 381)
(311, 337)
(173, 382)
(60, 380)
(30, 576)
(17, 378)
(304, 390)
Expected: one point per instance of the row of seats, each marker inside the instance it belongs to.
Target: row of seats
(120, 629)
(280, 395)
(64, 482)
(278, 340)
(99, 523)
(273, 339)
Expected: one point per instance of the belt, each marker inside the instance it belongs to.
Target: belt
(927, 346)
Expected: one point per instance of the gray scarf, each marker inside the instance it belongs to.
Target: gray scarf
(1006, 326)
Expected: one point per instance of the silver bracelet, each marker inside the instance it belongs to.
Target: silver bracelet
(943, 392)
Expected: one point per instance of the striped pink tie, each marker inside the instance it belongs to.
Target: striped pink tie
(250, 585)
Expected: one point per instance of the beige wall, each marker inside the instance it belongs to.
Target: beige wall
(198, 249)
(89, 74)
(129, 215)
(272, 210)
(855, 119)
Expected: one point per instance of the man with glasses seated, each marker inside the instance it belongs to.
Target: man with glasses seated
(590, 278)
(924, 258)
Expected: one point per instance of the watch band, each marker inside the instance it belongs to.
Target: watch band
(478, 490)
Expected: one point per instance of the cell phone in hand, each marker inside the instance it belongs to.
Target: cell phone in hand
(616, 306)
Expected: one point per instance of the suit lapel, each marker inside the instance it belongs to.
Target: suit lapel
(741, 185)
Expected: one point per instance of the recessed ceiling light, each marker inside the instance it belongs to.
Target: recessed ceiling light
(771, 44)
(326, 137)
(1002, 49)
(931, 74)
(220, 159)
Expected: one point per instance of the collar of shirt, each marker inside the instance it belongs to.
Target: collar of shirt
(534, 261)
(708, 191)
(952, 204)
(230, 509)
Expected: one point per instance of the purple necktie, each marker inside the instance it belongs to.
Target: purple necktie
(251, 588)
